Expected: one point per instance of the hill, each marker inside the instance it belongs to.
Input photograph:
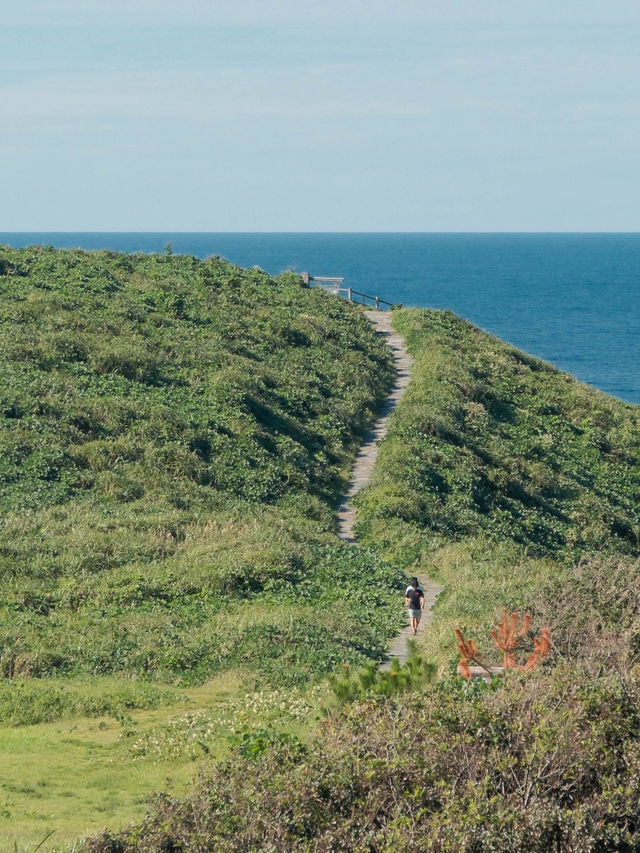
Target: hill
(174, 437)
(515, 486)
(499, 475)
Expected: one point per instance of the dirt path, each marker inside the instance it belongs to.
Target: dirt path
(366, 458)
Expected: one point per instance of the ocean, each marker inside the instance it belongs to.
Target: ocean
(571, 299)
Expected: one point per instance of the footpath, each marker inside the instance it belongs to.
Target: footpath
(363, 468)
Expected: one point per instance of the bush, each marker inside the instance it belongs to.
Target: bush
(550, 762)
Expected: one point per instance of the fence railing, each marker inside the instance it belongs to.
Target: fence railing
(356, 296)
(352, 295)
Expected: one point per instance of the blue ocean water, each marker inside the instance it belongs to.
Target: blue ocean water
(572, 299)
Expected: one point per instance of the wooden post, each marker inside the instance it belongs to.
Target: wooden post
(377, 303)
(349, 296)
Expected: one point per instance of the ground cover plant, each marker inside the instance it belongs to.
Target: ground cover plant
(498, 475)
(490, 441)
(174, 437)
(518, 489)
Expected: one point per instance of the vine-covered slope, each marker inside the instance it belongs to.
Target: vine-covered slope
(174, 434)
(490, 441)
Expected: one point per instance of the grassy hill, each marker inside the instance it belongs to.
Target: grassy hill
(499, 475)
(492, 442)
(515, 486)
(174, 436)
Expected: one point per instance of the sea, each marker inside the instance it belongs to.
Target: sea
(571, 299)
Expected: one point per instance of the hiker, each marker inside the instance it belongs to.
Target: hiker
(414, 600)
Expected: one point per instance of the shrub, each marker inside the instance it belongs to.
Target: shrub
(549, 762)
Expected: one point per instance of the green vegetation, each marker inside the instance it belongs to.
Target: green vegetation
(547, 763)
(499, 473)
(79, 774)
(386, 681)
(174, 437)
(26, 702)
(516, 487)
(492, 442)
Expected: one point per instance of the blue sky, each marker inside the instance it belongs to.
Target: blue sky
(345, 115)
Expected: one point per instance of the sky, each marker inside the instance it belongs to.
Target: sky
(341, 115)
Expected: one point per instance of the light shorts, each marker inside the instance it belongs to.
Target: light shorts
(414, 614)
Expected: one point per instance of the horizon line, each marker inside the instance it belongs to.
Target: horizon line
(332, 233)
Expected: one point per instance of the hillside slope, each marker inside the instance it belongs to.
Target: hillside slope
(493, 442)
(516, 486)
(174, 434)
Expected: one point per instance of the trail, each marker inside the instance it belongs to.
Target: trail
(365, 461)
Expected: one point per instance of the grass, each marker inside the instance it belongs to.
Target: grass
(491, 441)
(80, 774)
(517, 488)
(31, 701)
(174, 437)
(499, 473)
(481, 579)
(76, 775)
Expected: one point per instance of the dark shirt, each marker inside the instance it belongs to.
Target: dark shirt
(414, 596)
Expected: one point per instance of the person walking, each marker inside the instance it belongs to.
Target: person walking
(414, 600)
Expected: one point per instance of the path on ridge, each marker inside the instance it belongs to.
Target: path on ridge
(365, 461)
